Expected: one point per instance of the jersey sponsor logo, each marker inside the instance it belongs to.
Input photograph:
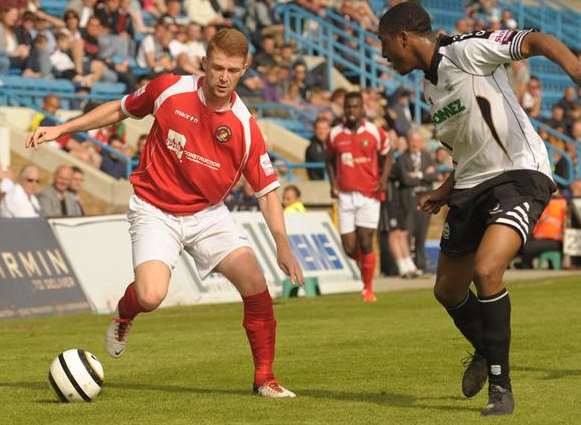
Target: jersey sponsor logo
(186, 116)
(266, 164)
(347, 159)
(194, 157)
(176, 142)
(448, 111)
(504, 36)
(223, 134)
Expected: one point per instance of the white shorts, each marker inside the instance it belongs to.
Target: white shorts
(208, 235)
(357, 210)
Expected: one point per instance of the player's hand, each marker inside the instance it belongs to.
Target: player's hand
(288, 264)
(42, 135)
(432, 202)
(334, 192)
(382, 185)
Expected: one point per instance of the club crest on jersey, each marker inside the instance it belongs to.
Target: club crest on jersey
(223, 134)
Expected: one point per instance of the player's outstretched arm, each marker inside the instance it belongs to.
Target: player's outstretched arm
(272, 212)
(102, 116)
(539, 44)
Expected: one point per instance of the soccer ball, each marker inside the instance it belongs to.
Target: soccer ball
(76, 375)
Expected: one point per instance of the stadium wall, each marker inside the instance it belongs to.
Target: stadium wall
(99, 251)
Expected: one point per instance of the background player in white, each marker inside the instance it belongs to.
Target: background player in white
(502, 179)
(203, 139)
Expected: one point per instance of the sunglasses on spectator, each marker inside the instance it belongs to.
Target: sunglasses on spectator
(32, 180)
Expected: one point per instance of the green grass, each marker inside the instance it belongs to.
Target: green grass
(395, 362)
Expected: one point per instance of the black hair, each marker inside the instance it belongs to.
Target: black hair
(407, 16)
(353, 95)
(77, 169)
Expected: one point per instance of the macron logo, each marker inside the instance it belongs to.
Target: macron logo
(186, 116)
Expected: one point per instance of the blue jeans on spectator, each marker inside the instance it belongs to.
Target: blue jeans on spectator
(4, 63)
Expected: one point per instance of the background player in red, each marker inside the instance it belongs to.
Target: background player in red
(201, 142)
(358, 169)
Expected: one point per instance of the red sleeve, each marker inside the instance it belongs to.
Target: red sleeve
(384, 145)
(141, 102)
(258, 170)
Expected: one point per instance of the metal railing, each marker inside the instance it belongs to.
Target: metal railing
(84, 136)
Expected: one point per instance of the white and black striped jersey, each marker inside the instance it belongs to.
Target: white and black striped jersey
(475, 110)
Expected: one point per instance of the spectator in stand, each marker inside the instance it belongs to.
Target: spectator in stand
(179, 52)
(12, 54)
(558, 118)
(272, 87)
(507, 21)
(569, 102)
(242, 198)
(259, 15)
(399, 111)
(287, 55)
(251, 86)
(208, 32)
(291, 200)
(173, 14)
(195, 45)
(547, 234)
(463, 26)
(337, 100)
(38, 64)
(443, 162)
(56, 200)
(50, 106)
(265, 58)
(6, 180)
(42, 27)
(576, 131)
(115, 163)
(93, 41)
(140, 145)
(293, 96)
(77, 180)
(152, 52)
(203, 12)
(416, 172)
(21, 201)
(532, 98)
(23, 32)
(316, 150)
(299, 78)
(562, 167)
(84, 9)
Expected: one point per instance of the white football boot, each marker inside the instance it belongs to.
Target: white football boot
(117, 334)
(273, 390)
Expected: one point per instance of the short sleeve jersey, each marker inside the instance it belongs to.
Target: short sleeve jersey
(357, 157)
(194, 155)
(475, 111)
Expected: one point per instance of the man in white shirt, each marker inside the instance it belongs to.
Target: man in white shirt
(501, 180)
(20, 201)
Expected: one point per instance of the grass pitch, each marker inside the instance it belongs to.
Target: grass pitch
(395, 362)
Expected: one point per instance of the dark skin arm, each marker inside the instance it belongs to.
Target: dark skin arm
(330, 164)
(386, 166)
(539, 44)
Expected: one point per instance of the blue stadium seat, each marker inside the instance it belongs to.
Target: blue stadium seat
(108, 89)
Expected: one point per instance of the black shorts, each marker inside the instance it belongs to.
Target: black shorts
(515, 198)
(396, 219)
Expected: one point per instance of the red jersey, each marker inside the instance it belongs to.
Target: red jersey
(357, 157)
(194, 155)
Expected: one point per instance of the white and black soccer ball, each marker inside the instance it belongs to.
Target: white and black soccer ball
(76, 375)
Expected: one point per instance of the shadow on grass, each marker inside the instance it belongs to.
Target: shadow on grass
(549, 373)
(383, 398)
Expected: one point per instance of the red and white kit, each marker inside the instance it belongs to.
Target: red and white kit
(192, 159)
(358, 173)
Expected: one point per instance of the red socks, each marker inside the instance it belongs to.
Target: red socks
(260, 328)
(128, 306)
(367, 266)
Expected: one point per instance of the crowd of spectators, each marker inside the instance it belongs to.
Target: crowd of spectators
(22, 197)
(130, 41)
